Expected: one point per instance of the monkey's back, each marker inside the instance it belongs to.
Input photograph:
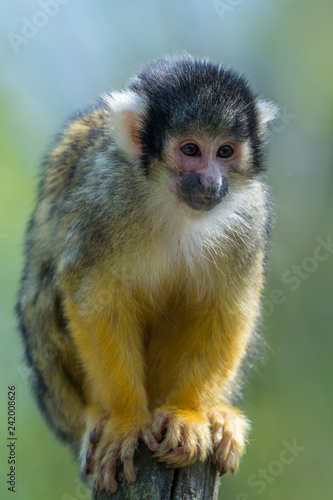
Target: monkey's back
(49, 349)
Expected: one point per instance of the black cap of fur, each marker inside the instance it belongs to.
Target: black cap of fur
(184, 92)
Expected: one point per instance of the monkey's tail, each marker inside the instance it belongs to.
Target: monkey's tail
(53, 369)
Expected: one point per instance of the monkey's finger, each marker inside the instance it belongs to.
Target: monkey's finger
(110, 457)
(90, 459)
(92, 436)
(96, 433)
(222, 450)
(216, 424)
(159, 425)
(107, 471)
(149, 440)
(182, 452)
(172, 459)
(89, 454)
(126, 456)
(99, 484)
(222, 471)
(176, 452)
(223, 467)
(226, 459)
(217, 435)
(171, 441)
(129, 469)
(179, 450)
(110, 482)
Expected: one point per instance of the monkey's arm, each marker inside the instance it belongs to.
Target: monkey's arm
(107, 334)
(205, 356)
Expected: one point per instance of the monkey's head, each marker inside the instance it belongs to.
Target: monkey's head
(199, 120)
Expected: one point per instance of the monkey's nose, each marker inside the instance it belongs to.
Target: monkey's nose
(203, 192)
(210, 185)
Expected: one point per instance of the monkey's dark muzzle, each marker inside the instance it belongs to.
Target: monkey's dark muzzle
(203, 193)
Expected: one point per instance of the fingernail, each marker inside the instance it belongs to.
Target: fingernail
(223, 471)
(92, 436)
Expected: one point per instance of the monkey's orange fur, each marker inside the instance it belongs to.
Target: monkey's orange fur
(173, 354)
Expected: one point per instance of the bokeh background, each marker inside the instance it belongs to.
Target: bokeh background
(57, 56)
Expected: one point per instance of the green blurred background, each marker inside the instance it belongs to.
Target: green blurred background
(83, 48)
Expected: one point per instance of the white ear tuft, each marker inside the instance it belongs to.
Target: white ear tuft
(267, 111)
(127, 111)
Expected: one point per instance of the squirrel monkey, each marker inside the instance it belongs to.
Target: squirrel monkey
(145, 268)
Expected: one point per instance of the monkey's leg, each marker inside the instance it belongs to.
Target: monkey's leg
(204, 357)
(110, 346)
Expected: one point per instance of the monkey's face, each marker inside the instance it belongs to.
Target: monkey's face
(201, 168)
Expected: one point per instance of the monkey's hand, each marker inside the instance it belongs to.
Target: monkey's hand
(187, 436)
(229, 428)
(108, 439)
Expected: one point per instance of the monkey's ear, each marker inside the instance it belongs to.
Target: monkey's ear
(127, 111)
(267, 111)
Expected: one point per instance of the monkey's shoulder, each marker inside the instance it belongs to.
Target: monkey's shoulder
(85, 132)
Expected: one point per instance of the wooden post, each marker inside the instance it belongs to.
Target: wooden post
(155, 482)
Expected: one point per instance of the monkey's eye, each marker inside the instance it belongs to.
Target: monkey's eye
(190, 149)
(225, 152)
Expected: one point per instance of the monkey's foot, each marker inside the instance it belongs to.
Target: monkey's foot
(229, 428)
(187, 436)
(113, 439)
